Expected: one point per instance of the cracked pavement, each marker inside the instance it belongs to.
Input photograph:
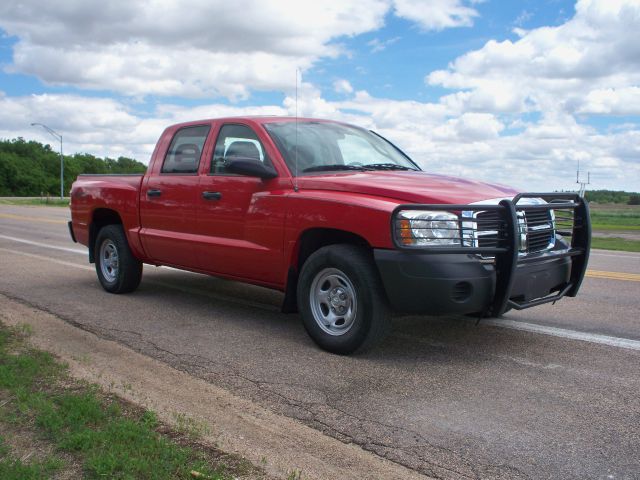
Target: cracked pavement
(442, 396)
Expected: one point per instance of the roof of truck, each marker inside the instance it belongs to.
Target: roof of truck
(258, 119)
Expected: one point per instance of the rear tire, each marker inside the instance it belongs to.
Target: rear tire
(342, 301)
(118, 270)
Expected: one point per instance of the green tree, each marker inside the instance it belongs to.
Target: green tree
(29, 168)
(607, 196)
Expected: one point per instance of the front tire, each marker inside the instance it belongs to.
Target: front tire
(341, 299)
(118, 270)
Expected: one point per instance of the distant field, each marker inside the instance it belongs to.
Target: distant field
(615, 217)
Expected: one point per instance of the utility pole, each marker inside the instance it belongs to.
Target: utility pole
(581, 182)
(59, 137)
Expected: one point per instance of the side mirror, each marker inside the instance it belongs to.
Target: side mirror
(250, 167)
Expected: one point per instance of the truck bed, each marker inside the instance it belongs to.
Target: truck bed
(92, 192)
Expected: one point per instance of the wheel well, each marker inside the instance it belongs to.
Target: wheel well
(310, 241)
(101, 218)
(316, 238)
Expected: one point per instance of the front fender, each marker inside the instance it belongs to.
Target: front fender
(362, 215)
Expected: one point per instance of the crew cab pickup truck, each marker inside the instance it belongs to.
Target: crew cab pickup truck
(336, 217)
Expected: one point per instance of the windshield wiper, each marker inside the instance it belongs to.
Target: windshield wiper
(386, 166)
(336, 166)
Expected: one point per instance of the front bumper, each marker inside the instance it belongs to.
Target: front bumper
(459, 284)
(461, 279)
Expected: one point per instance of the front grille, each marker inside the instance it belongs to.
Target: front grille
(538, 225)
(540, 231)
(488, 225)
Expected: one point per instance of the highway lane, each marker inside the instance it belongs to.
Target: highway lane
(607, 308)
(443, 396)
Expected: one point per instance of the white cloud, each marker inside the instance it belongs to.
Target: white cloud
(138, 69)
(469, 127)
(208, 48)
(436, 14)
(342, 86)
(523, 18)
(621, 101)
(553, 68)
(93, 125)
(378, 45)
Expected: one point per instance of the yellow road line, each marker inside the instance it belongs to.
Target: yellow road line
(31, 219)
(630, 277)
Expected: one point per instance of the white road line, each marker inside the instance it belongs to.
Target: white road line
(191, 290)
(44, 245)
(496, 322)
(49, 259)
(564, 333)
(70, 250)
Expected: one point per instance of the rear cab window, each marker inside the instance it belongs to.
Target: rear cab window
(183, 155)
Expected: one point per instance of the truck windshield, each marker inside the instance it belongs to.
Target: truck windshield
(322, 147)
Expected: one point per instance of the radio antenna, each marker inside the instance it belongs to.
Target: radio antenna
(581, 182)
(295, 150)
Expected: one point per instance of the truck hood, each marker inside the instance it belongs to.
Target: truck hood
(409, 187)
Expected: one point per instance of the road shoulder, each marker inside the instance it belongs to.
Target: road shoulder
(278, 444)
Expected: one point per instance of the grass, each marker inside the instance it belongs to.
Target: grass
(615, 217)
(615, 244)
(110, 438)
(12, 468)
(44, 201)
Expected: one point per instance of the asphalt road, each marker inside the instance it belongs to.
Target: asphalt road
(559, 399)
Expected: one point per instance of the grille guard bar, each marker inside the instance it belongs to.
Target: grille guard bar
(506, 255)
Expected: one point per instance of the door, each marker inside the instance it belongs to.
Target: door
(169, 199)
(240, 219)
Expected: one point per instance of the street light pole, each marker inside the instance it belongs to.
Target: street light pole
(59, 137)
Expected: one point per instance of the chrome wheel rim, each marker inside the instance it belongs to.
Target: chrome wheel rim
(333, 301)
(109, 261)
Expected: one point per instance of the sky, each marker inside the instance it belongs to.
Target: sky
(512, 92)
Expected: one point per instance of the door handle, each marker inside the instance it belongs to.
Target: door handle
(152, 192)
(211, 195)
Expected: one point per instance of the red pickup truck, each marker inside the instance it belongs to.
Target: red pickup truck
(336, 217)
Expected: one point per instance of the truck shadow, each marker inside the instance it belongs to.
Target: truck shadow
(256, 311)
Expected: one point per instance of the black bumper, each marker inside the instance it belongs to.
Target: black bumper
(73, 236)
(489, 279)
(448, 284)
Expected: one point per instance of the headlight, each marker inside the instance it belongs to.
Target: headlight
(426, 228)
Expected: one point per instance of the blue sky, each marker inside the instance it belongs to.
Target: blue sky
(482, 89)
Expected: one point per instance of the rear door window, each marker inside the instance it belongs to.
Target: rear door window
(183, 156)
